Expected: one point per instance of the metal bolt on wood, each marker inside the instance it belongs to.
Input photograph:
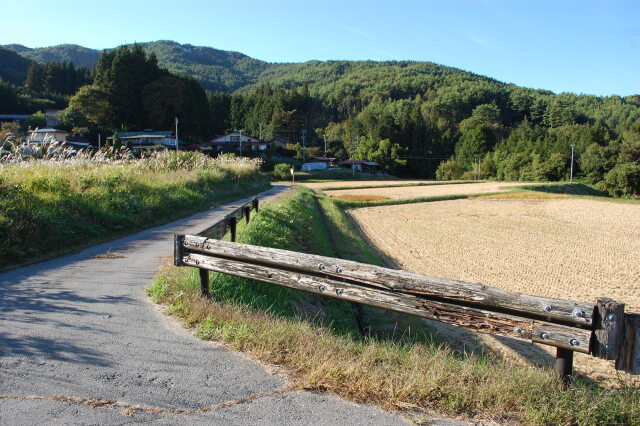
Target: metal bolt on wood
(339, 270)
(577, 313)
(545, 336)
(322, 288)
(321, 266)
(517, 330)
(574, 342)
(548, 308)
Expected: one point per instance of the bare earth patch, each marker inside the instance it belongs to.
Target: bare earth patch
(424, 191)
(568, 248)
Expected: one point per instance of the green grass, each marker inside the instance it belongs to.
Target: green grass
(325, 352)
(48, 208)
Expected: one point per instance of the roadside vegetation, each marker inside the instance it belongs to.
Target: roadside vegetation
(369, 356)
(49, 207)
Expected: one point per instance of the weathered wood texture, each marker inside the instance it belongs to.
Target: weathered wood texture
(608, 329)
(603, 330)
(464, 316)
(629, 358)
(542, 308)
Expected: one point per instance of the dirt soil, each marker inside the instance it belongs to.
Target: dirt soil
(569, 248)
(424, 191)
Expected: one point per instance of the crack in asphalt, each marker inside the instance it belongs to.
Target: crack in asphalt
(131, 409)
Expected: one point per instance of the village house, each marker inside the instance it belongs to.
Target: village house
(48, 134)
(146, 138)
(233, 142)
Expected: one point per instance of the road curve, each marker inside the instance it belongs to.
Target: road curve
(80, 343)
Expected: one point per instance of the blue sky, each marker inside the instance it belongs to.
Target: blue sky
(582, 46)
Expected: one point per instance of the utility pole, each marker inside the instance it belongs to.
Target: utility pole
(571, 175)
(260, 131)
(240, 143)
(325, 144)
(99, 141)
(304, 140)
(176, 134)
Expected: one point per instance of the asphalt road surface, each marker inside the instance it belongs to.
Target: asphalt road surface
(80, 343)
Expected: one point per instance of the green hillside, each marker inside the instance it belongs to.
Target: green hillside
(13, 67)
(77, 55)
(216, 70)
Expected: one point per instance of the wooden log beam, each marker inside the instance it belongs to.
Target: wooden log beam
(218, 230)
(469, 317)
(608, 329)
(541, 308)
(629, 356)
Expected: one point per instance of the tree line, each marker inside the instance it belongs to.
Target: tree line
(418, 119)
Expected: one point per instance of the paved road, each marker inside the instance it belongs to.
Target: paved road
(77, 329)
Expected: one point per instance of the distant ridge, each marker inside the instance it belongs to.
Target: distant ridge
(226, 71)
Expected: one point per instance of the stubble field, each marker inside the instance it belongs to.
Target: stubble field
(401, 192)
(569, 248)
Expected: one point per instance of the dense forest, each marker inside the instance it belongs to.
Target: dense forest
(418, 119)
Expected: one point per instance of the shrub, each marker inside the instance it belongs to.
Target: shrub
(281, 171)
(622, 181)
(449, 170)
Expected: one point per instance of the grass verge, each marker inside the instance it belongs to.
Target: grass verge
(48, 208)
(402, 371)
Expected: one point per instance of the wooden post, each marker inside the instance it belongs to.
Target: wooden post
(608, 329)
(629, 357)
(255, 204)
(204, 282)
(247, 213)
(564, 364)
(178, 250)
(233, 221)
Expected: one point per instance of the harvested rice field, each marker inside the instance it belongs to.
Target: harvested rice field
(569, 248)
(402, 192)
(352, 183)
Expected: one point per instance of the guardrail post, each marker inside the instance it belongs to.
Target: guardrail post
(255, 203)
(564, 364)
(233, 221)
(608, 329)
(629, 358)
(178, 250)
(204, 282)
(247, 213)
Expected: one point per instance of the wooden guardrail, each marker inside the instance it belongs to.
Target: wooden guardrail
(602, 330)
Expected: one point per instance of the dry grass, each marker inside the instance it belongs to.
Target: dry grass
(577, 249)
(398, 193)
(109, 255)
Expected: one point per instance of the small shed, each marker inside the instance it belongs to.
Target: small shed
(361, 166)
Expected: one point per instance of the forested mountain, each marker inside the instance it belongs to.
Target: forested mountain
(418, 119)
(13, 67)
(79, 56)
(216, 70)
